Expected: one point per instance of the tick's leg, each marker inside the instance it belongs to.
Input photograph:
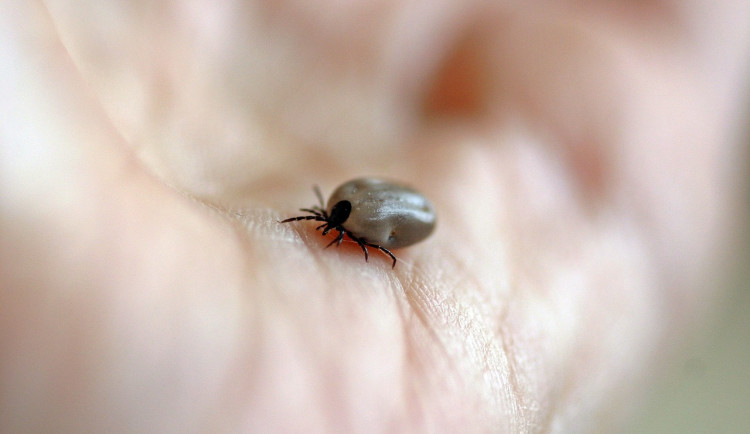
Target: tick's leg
(312, 211)
(361, 244)
(303, 217)
(386, 251)
(341, 238)
(318, 228)
(338, 239)
(316, 189)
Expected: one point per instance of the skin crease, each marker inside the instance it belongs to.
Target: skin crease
(581, 157)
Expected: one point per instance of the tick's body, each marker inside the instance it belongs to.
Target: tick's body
(376, 213)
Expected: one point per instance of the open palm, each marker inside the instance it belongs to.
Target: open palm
(579, 158)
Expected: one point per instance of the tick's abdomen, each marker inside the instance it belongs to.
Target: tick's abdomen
(389, 214)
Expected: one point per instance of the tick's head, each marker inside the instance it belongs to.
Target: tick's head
(340, 213)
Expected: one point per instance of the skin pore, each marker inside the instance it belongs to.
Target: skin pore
(581, 156)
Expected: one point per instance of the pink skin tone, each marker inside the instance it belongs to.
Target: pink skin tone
(582, 157)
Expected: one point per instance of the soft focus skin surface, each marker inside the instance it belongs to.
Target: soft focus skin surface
(385, 212)
(580, 156)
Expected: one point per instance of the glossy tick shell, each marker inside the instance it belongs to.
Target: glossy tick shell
(385, 213)
(375, 213)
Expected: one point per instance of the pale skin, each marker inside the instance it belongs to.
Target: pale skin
(583, 161)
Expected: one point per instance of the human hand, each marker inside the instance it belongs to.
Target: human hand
(580, 159)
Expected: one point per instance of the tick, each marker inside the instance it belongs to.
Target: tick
(375, 213)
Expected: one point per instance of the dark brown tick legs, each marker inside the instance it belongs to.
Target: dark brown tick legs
(364, 244)
(386, 251)
(304, 217)
(322, 216)
(339, 238)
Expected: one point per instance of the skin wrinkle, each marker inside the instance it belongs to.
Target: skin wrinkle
(474, 326)
(512, 391)
(471, 328)
(497, 337)
(425, 310)
(413, 363)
